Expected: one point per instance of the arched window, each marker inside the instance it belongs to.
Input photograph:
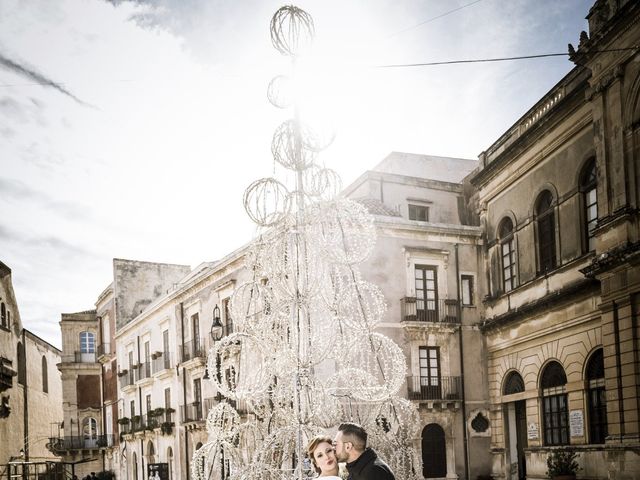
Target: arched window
(588, 188)
(597, 399)
(8, 318)
(434, 452)
(554, 405)
(151, 451)
(507, 254)
(546, 223)
(22, 365)
(87, 342)
(45, 375)
(513, 384)
(3, 315)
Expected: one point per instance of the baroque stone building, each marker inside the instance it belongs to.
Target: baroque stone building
(558, 199)
(30, 386)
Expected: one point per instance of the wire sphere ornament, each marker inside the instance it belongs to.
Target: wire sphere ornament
(266, 201)
(249, 303)
(235, 353)
(292, 30)
(322, 183)
(362, 305)
(288, 146)
(345, 230)
(280, 91)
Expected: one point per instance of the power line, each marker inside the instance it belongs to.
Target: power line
(500, 59)
(434, 18)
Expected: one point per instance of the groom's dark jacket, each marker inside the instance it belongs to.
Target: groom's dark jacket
(369, 466)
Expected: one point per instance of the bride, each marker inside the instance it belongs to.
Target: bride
(323, 456)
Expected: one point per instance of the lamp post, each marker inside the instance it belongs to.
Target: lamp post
(215, 333)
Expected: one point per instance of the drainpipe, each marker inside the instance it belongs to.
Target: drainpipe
(465, 440)
(25, 397)
(184, 390)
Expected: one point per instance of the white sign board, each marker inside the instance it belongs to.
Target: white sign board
(576, 423)
(532, 431)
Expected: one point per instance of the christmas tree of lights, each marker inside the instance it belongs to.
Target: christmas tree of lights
(305, 356)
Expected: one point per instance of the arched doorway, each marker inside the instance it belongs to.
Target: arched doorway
(516, 427)
(434, 452)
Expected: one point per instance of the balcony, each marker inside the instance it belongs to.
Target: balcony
(441, 389)
(197, 411)
(144, 371)
(193, 349)
(58, 445)
(434, 311)
(127, 378)
(80, 357)
(161, 363)
(104, 351)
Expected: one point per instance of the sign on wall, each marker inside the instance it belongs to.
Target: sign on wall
(576, 423)
(532, 431)
(158, 471)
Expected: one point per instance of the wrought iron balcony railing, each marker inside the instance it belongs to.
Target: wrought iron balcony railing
(163, 362)
(85, 442)
(127, 377)
(144, 370)
(429, 388)
(104, 350)
(437, 311)
(193, 349)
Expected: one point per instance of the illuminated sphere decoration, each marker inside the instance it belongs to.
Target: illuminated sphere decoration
(304, 355)
(292, 30)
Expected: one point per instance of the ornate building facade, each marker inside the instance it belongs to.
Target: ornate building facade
(558, 199)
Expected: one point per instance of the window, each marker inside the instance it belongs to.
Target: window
(429, 361)
(166, 356)
(507, 255)
(513, 384)
(195, 329)
(87, 342)
(167, 404)
(148, 401)
(426, 281)
(545, 220)
(554, 405)
(466, 284)
(132, 407)
(22, 365)
(419, 213)
(45, 375)
(197, 398)
(3, 315)
(588, 188)
(597, 402)
(228, 322)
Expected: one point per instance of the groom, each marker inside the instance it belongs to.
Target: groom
(362, 463)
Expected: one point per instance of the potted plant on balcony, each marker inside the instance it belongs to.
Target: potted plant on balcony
(166, 428)
(155, 355)
(123, 421)
(562, 464)
(122, 373)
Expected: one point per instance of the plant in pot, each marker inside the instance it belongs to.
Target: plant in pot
(562, 464)
(166, 428)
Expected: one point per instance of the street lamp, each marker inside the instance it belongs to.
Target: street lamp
(216, 326)
(215, 333)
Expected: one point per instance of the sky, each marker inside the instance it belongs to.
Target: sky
(130, 129)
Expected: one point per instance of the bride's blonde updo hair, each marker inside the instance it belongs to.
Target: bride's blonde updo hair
(313, 444)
